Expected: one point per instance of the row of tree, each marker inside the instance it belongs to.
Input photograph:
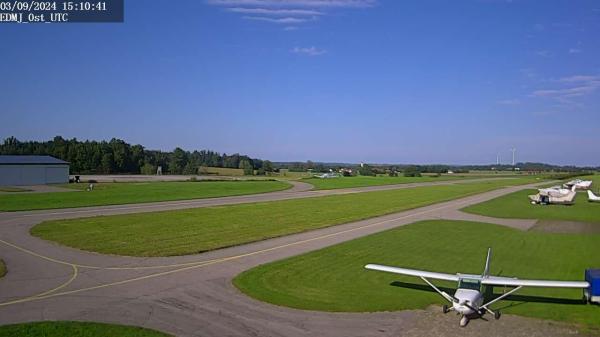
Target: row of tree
(117, 156)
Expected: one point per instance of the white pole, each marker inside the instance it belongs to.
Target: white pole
(513, 153)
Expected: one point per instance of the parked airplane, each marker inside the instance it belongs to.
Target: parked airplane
(593, 197)
(468, 300)
(327, 175)
(554, 195)
(578, 184)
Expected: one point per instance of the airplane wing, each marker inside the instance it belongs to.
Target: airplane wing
(413, 272)
(514, 282)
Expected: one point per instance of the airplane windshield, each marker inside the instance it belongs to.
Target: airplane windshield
(466, 283)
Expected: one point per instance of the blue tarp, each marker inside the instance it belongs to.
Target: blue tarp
(593, 278)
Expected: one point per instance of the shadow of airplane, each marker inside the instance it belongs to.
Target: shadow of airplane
(490, 295)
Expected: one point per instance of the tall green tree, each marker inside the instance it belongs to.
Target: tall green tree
(247, 167)
(177, 161)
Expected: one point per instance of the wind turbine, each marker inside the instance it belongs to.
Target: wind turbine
(513, 155)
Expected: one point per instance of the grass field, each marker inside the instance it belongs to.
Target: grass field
(12, 189)
(517, 205)
(362, 181)
(124, 193)
(75, 329)
(192, 231)
(2, 268)
(333, 279)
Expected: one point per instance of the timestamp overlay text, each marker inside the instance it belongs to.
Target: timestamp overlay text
(32, 11)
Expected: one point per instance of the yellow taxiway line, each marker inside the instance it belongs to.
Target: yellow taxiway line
(185, 266)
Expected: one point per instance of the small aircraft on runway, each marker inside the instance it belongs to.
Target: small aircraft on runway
(328, 175)
(468, 300)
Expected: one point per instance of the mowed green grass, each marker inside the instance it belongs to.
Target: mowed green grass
(517, 205)
(12, 189)
(334, 278)
(363, 181)
(75, 329)
(192, 231)
(125, 193)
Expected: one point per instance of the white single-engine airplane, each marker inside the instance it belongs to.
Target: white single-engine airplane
(328, 175)
(468, 299)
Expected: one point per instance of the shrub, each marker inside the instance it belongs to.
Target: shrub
(366, 170)
(148, 169)
(412, 171)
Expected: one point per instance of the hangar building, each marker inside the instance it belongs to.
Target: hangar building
(32, 170)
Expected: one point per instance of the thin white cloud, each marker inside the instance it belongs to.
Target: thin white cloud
(579, 78)
(275, 12)
(565, 93)
(291, 12)
(543, 53)
(573, 86)
(288, 20)
(574, 51)
(509, 101)
(310, 51)
(295, 3)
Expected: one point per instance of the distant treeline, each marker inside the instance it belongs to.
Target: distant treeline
(528, 166)
(117, 156)
(432, 168)
(371, 168)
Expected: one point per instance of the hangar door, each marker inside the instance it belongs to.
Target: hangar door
(33, 175)
(57, 174)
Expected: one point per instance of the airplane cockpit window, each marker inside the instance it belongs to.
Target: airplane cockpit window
(465, 283)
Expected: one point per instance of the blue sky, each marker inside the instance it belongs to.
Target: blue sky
(326, 80)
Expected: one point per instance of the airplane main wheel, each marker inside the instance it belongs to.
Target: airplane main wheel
(497, 315)
(445, 308)
(464, 321)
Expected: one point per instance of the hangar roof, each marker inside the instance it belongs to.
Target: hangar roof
(31, 160)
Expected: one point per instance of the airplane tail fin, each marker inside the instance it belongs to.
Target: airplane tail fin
(486, 271)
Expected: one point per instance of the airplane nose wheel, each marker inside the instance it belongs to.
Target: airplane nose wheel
(445, 309)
